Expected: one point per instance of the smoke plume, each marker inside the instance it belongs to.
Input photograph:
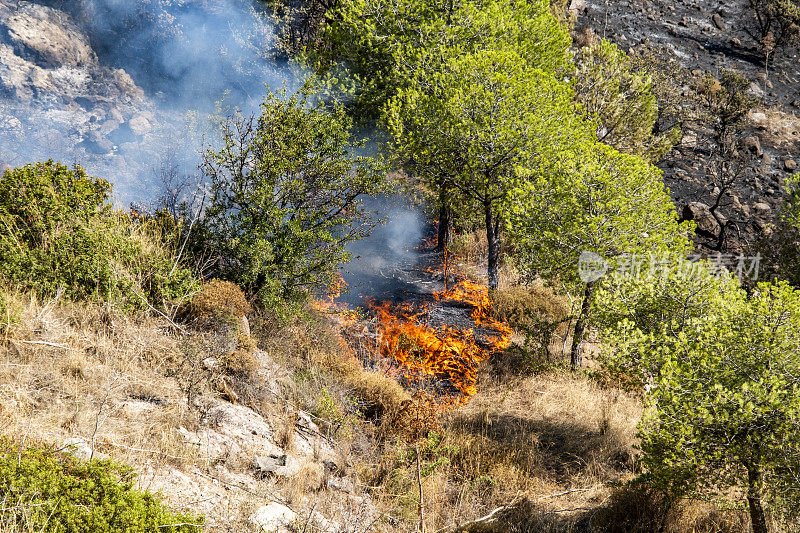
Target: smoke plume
(126, 88)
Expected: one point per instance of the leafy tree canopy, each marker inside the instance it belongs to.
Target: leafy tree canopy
(470, 125)
(724, 410)
(286, 191)
(372, 48)
(619, 97)
(590, 199)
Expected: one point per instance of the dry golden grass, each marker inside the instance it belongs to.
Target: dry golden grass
(73, 371)
(119, 383)
(321, 359)
(540, 436)
(553, 443)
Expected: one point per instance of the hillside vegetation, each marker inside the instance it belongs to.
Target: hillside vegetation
(187, 366)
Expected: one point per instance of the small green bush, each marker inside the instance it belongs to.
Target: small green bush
(43, 490)
(58, 232)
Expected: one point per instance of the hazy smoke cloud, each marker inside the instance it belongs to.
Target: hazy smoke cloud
(161, 68)
(185, 53)
(381, 262)
(127, 91)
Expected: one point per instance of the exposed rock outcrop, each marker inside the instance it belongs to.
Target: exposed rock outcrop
(706, 37)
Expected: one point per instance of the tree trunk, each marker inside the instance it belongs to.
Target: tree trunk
(576, 351)
(445, 233)
(757, 517)
(493, 242)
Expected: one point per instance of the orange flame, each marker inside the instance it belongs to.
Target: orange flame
(333, 291)
(441, 351)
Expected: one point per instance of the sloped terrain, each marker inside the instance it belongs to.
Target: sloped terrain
(709, 36)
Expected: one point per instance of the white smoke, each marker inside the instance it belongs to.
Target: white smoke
(155, 73)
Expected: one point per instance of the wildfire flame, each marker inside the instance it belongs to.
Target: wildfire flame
(421, 347)
(446, 353)
(326, 301)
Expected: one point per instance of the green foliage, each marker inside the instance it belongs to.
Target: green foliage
(299, 23)
(591, 199)
(635, 313)
(781, 248)
(43, 490)
(57, 231)
(727, 99)
(373, 48)
(724, 410)
(39, 198)
(618, 96)
(434, 456)
(286, 198)
(468, 127)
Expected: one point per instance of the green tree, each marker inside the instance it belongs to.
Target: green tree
(637, 309)
(473, 123)
(618, 96)
(591, 199)
(371, 49)
(375, 49)
(724, 411)
(286, 191)
(781, 247)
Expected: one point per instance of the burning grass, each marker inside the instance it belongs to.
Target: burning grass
(426, 348)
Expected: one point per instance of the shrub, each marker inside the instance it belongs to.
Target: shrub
(539, 314)
(57, 231)
(286, 190)
(46, 490)
(523, 305)
(241, 362)
(219, 302)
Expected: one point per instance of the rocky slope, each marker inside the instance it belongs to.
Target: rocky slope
(125, 89)
(709, 36)
(50, 75)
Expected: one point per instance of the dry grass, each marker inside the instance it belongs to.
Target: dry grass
(322, 360)
(554, 443)
(541, 436)
(470, 247)
(638, 509)
(72, 371)
(121, 383)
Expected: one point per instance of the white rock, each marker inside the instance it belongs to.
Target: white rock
(80, 449)
(281, 465)
(139, 125)
(577, 6)
(273, 518)
(47, 36)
